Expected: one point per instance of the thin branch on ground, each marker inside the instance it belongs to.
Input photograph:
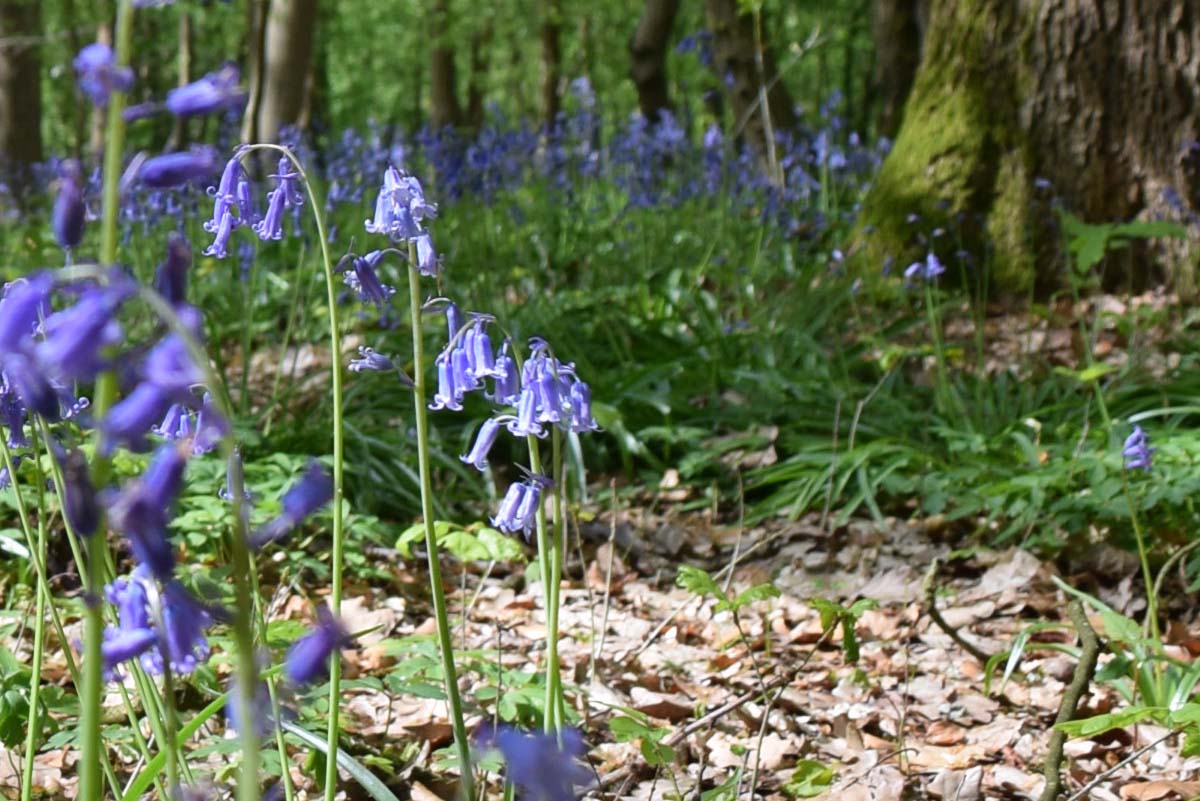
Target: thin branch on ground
(1089, 653)
(929, 585)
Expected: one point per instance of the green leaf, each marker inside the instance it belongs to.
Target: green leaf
(1150, 229)
(699, 583)
(359, 772)
(760, 592)
(810, 778)
(1090, 727)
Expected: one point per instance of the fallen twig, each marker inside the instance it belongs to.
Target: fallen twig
(1088, 654)
(929, 585)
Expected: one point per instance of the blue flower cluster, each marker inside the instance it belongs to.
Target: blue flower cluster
(546, 766)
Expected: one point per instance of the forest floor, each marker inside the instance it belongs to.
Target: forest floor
(910, 719)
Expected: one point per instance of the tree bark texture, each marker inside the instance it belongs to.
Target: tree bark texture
(1097, 100)
(648, 56)
(444, 108)
(744, 64)
(896, 31)
(20, 84)
(256, 25)
(290, 31)
(550, 34)
(481, 42)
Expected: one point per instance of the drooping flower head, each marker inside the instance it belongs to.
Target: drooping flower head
(1137, 451)
(306, 496)
(216, 91)
(308, 658)
(176, 169)
(543, 766)
(98, 74)
(69, 213)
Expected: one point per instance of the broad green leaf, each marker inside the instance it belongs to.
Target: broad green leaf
(1090, 727)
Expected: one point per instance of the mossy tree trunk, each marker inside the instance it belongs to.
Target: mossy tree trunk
(444, 108)
(1098, 102)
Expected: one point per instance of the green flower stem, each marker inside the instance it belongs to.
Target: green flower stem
(559, 549)
(1151, 621)
(546, 555)
(33, 722)
(445, 643)
(95, 547)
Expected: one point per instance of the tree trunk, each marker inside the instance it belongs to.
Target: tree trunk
(184, 69)
(444, 108)
(20, 87)
(289, 47)
(1100, 100)
(761, 104)
(896, 29)
(480, 42)
(648, 56)
(256, 27)
(551, 34)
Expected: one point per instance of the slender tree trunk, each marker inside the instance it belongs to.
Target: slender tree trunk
(20, 87)
(1099, 100)
(895, 27)
(256, 27)
(184, 69)
(550, 34)
(444, 108)
(743, 61)
(291, 26)
(480, 42)
(648, 56)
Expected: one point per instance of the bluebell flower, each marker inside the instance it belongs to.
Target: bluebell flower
(12, 415)
(22, 376)
(926, 270)
(581, 408)
(308, 658)
(518, 509)
(76, 335)
(1137, 451)
(170, 366)
(484, 440)
(142, 509)
(271, 225)
(98, 74)
(371, 361)
(134, 416)
(219, 248)
(176, 169)
(170, 278)
(464, 377)
(359, 274)
(261, 708)
(428, 262)
(211, 427)
(306, 496)
(506, 389)
(217, 91)
(289, 183)
(133, 635)
(447, 395)
(25, 302)
(526, 422)
(224, 194)
(182, 641)
(69, 213)
(176, 423)
(543, 766)
(454, 321)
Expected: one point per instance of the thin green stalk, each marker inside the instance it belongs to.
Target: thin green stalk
(445, 642)
(546, 554)
(39, 639)
(95, 547)
(1151, 621)
(558, 552)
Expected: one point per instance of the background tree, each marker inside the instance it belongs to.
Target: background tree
(896, 28)
(1102, 103)
(444, 108)
(288, 51)
(549, 35)
(20, 84)
(743, 61)
(648, 56)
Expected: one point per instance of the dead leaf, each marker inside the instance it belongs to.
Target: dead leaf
(1160, 788)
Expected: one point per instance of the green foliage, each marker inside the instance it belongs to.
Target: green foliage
(626, 728)
(701, 584)
(1089, 243)
(835, 614)
(809, 779)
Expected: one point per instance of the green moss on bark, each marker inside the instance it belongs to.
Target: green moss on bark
(959, 160)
